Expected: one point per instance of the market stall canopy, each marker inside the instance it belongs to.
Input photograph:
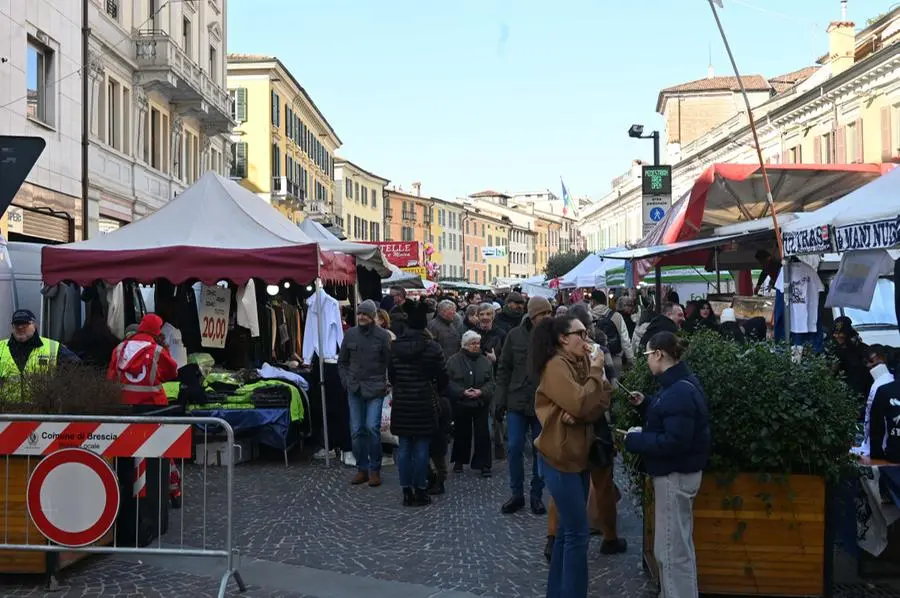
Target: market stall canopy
(730, 193)
(590, 272)
(367, 256)
(867, 218)
(214, 230)
(405, 280)
(465, 286)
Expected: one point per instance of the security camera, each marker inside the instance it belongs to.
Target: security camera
(636, 131)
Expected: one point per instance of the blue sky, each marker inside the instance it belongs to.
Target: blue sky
(465, 95)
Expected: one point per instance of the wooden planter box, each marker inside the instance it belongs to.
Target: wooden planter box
(755, 537)
(16, 527)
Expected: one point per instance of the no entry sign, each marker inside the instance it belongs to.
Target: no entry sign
(73, 497)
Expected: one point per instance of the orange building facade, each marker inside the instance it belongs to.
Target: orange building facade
(407, 217)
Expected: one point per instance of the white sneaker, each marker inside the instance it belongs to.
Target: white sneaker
(320, 454)
(387, 461)
(348, 459)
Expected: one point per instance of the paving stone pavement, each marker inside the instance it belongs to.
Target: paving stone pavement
(308, 516)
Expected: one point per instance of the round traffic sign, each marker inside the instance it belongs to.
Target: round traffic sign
(73, 497)
(657, 214)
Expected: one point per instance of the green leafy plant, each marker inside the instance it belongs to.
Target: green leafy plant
(768, 415)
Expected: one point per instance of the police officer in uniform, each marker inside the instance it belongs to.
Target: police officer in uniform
(26, 352)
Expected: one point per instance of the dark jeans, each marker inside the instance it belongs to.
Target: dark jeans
(412, 462)
(568, 576)
(438, 452)
(365, 431)
(472, 424)
(518, 427)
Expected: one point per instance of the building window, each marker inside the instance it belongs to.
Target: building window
(155, 139)
(827, 149)
(238, 104)
(276, 160)
(40, 82)
(112, 9)
(186, 40)
(113, 114)
(365, 196)
(374, 198)
(213, 60)
(356, 191)
(276, 109)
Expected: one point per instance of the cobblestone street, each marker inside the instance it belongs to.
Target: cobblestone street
(303, 531)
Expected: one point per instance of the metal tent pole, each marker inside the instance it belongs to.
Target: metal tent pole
(321, 350)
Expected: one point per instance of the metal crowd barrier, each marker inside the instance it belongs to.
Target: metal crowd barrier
(83, 472)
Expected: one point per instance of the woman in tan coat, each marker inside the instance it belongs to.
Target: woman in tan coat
(572, 395)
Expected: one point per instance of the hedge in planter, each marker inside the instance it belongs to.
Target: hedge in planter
(67, 389)
(780, 431)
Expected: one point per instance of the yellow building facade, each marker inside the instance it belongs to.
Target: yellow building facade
(283, 146)
(359, 202)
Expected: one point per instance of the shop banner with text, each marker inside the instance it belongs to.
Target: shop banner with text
(403, 254)
(215, 308)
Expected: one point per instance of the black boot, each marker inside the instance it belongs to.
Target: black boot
(422, 499)
(617, 546)
(537, 507)
(548, 548)
(408, 498)
(437, 489)
(513, 505)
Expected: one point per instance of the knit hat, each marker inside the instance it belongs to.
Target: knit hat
(727, 315)
(417, 315)
(537, 306)
(151, 324)
(367, 308)
(515, 297)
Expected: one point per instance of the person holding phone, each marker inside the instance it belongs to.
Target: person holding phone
(674, 443)
(573, 393)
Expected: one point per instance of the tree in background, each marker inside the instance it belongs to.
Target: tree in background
(561, 263)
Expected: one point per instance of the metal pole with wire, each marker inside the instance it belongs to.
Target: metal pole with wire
(762, 163)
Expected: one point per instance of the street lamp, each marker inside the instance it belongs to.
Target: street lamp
(637, 132)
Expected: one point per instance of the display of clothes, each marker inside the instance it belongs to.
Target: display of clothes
(337, 408)
(856, 279)
(281, 328)
(333, 333)
(803, 290)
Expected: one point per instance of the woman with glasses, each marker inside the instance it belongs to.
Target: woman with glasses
(573, 393)
(674, 443)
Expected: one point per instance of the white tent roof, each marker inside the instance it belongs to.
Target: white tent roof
(590, 273)
(368, 256)
(874, 202)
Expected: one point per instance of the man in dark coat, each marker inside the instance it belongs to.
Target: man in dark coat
(445, 329)
(418, 377)
(670, 320)
(511, 314)
(514, 399)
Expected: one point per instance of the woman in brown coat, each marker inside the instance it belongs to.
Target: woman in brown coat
(572, 395)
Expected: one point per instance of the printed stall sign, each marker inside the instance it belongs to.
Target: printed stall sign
(403, 254)
(215, 307)
(884, 234)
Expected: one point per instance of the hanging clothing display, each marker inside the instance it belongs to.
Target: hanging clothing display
(115, 316)
(336, 404)
(804, 289)
(281, 329)
(247, 315)
(333, 334)
(856, 279)
(63, 311)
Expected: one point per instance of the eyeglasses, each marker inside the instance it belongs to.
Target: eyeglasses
(582, 333)
(650, 352)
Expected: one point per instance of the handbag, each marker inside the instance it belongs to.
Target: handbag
(602, 450)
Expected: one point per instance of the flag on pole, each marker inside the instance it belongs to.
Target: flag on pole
(718, 3)
(567, 201)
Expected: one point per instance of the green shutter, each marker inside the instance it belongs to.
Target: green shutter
(240, 160)
(241, 101)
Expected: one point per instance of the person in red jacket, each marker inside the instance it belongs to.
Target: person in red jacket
(142, 363)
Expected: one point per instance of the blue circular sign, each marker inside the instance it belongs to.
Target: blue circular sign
(657, 214)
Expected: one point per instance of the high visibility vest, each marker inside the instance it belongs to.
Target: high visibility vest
(143, 383)
(41, 358)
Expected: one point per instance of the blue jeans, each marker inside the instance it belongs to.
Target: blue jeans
(412, 461)
(569, 563)
(517, 428)
(365, 431)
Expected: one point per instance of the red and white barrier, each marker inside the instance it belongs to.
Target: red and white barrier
(140, 478)
(146, 440)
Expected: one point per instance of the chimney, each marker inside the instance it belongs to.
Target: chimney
(417, 189)
(710, 72)
(841, 43)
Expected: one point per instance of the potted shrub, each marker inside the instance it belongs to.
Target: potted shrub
(67, 389)
(781, 432)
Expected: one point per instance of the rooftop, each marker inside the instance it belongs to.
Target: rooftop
(782, 83)
(751, 83)
(338, 161)
(489, 193)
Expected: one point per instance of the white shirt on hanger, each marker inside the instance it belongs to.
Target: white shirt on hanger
(804, 287)
(854, 284)
(333, 332)
(173, 339)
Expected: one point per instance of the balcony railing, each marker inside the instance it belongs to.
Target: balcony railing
(409, 215)
(388, 213)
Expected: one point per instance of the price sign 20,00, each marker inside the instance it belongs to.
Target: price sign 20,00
(214, 329)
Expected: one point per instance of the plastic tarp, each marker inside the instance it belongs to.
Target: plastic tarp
(867, 218)
(215, 230)
(367, 256)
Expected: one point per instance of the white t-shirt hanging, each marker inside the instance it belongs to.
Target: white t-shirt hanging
(854, 284)
(805, 287)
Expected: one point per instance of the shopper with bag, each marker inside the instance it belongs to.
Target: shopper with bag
(418, 377)
(572, 395)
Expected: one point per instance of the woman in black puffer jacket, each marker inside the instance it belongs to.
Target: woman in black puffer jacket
(418, 378)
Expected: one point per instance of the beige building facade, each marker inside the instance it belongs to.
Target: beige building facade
(359, 202)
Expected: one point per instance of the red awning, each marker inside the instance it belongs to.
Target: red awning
(730, 193)
(215, 230)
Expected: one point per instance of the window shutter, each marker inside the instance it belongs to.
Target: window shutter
(241, 109)
(860, 156)
(240, 160)
(840, 145)
(817, 150)
(887, 141)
